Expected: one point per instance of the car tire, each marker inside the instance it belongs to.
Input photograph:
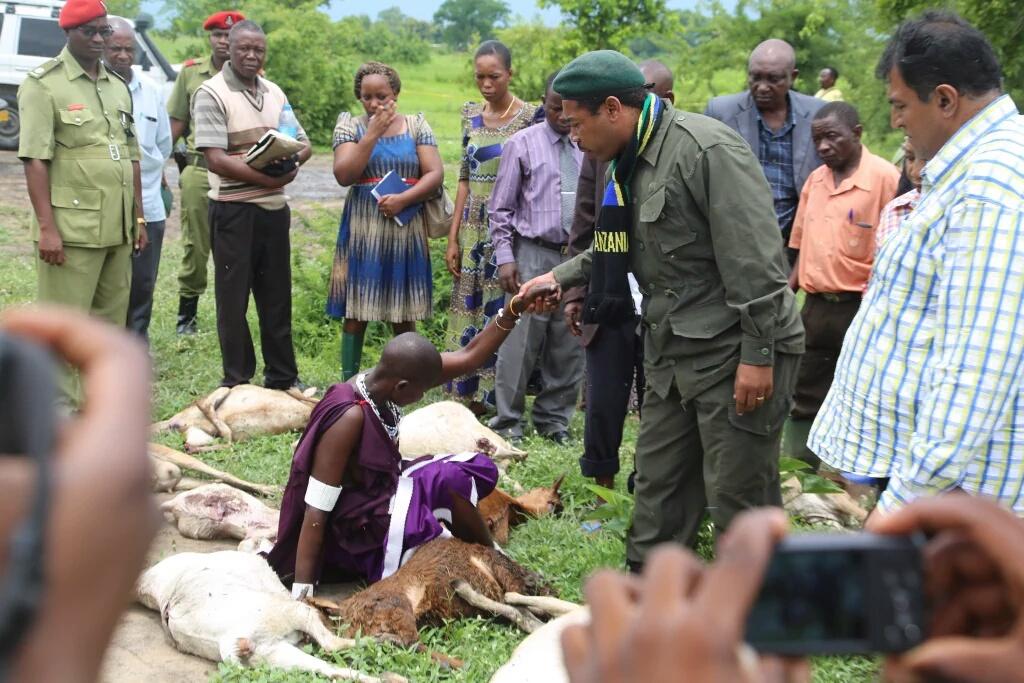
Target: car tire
(10, 130)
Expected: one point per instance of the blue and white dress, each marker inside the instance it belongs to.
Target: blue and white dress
(381, 269)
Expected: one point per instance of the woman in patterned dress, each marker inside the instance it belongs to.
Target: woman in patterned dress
(476, 293)
(381, 269)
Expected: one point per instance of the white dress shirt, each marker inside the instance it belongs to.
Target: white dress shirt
(153, 130)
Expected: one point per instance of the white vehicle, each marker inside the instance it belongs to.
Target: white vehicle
(30, 35)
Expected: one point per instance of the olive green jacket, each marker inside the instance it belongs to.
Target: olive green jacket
(85, 131)
(194, 72)
(707, 253)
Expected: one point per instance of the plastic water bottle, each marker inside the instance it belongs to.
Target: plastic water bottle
(288, 124)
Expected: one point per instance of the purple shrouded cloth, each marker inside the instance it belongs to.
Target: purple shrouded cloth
(387, 507)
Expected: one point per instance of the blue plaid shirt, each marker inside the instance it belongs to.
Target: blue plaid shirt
(929, 386)
(775, 152)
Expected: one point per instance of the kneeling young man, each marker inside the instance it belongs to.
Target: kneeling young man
(352, 507)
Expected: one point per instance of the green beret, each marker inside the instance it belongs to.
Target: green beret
(601, 72)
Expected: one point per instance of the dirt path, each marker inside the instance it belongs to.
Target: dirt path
(314, 187)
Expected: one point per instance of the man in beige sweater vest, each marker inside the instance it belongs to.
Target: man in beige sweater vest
(249, 214)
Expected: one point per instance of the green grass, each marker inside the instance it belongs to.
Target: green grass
(186, 369)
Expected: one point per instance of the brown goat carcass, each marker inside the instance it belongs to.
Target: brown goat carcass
(501, 511)
(447, 579)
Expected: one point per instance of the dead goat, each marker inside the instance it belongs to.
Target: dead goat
(221, 511)
(230, 606)
(502, 511)
(450, 427)
(447, 579)
(240, 412)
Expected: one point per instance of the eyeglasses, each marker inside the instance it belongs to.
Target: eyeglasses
(92, 31)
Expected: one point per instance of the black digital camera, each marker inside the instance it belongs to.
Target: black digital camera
(840, 594)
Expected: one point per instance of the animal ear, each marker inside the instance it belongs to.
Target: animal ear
(558, 483)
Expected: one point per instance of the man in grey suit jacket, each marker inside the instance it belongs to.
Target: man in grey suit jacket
(776, 123)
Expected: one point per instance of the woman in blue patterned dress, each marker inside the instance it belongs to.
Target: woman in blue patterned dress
(381, 269)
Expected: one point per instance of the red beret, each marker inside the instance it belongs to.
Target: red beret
(222, 20)
(78, 12)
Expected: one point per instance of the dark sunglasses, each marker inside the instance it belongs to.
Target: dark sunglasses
(92, 31)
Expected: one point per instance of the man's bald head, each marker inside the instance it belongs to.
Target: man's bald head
(771, 71)
(119, 51)
(411, 357)
(776, 52)
(661, 76)
(121, 27)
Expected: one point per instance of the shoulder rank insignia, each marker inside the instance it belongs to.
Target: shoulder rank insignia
(44, 68)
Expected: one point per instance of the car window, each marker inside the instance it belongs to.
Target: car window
(40, 37)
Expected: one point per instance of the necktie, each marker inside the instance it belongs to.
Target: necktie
(569, 175)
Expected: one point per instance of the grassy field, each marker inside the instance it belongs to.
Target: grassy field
(187, 368)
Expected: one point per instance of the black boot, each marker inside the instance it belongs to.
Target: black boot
(187, 306)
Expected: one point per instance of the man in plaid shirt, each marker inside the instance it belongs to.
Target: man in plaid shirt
(929, 388)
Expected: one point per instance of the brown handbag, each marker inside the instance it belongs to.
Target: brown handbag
(438, 210)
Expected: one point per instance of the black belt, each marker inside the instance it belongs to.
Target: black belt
(562, 249)
(837, 297)
(196, 159)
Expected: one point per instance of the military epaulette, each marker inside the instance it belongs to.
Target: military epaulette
(190, 62)
(45, 68)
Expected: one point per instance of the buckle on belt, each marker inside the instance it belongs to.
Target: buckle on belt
(115, 152)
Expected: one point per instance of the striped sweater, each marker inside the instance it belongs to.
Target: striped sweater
(228, 116)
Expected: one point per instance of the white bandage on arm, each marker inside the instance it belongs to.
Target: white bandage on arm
(302, 590)
(320, 495)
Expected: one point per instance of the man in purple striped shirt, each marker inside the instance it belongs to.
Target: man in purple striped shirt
(531, 210)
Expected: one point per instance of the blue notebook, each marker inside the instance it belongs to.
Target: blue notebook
(392, 183)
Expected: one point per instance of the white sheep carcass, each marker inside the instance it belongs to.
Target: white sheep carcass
(450, 427)
(215, 511)
(230, 606)
(241, 412)
(538, 659)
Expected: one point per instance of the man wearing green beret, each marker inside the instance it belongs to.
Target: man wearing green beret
(687, 210)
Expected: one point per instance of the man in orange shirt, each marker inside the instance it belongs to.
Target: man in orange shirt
(834, 233)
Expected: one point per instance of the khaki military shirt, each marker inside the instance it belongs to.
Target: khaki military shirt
(707, 253)
(193, 74)
(85, 130)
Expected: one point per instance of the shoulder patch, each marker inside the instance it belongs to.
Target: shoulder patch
(190, 62)
(44, 68)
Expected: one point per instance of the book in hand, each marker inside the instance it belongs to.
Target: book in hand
(392, 183)
(268, 151)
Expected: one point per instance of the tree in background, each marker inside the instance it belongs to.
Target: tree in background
(124, 8)
(608, 24)
(392, 38)
(709, 50)
(462, 22)
(308, 54)
(537, 50)
(1002, 22)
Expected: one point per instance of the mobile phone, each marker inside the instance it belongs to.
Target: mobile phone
(840, 594)
(28, 394)
(28, 429)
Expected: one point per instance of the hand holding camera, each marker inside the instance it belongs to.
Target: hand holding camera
(100, 516)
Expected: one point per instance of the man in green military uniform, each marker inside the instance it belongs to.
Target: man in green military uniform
(82, 170)
(195, 184)
(688, 211)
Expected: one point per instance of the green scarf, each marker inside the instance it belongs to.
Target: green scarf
(609, 299)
